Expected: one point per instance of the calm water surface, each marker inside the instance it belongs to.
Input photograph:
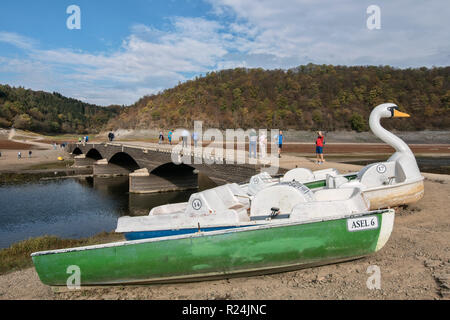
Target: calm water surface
(439, 165)
(72, 208)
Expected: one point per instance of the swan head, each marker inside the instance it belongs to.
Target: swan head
(388, 110)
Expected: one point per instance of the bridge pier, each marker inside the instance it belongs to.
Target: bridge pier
(82, 161)
(142, 181)
(102, 168)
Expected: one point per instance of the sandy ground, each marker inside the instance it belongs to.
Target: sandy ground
(12, 144)
(414, 264)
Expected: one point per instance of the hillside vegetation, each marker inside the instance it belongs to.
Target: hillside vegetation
(50, 113)
(306, 98)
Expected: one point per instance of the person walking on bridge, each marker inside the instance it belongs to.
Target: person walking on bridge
(169, 137)
(252, 146)
(184, 137)
(263, 145)
(195, 138)
(280, 143)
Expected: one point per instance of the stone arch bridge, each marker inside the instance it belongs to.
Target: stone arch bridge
(150, 167)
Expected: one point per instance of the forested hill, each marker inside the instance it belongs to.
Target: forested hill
(307, 98)
(50, 113)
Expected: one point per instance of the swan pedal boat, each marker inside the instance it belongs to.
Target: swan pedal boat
(391, 183)
(283, 243)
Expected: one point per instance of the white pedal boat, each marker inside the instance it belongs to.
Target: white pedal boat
(229, 206)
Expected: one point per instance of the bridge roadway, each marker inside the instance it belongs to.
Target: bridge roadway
(151, 169)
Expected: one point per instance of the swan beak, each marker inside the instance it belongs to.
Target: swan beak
(398, 114)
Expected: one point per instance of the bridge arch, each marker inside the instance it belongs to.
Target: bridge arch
(171, 169)
(77, 151)
(170, 175)
(94, 154)
(124, 160)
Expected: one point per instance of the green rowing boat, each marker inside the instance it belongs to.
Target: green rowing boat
(273, 247)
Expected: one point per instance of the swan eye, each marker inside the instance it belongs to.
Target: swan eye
(391, 109)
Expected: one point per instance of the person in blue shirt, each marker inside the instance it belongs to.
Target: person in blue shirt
(169, 136)
(195, 138)
(280, 143)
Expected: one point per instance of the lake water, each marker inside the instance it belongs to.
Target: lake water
(440, 165)
(73, 208)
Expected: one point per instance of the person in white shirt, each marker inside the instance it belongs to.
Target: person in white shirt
(185, 136)
(262, 145)
(252, 147)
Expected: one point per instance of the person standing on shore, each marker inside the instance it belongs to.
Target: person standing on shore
(19, 155)
(29, 154)
(320, 142)
(161, 137)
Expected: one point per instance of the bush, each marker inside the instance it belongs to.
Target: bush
(358, 123)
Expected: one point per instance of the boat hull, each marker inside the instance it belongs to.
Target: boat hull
(387, 196)
(396, 195)
(219, 254)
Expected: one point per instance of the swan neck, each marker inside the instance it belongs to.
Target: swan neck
(398, 144)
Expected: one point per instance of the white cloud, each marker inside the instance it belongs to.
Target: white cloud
(16, 40)
(334, 32)
(263, 33)
(142, 65)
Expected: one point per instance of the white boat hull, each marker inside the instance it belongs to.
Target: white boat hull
(396, 195)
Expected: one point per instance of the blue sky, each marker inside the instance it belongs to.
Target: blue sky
(127, 49)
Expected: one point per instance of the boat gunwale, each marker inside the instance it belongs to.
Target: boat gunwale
(388, 186)
(210, 233)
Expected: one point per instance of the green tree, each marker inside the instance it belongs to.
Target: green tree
(358, 123)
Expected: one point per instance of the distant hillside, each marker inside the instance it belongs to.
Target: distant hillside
(50, 113)
(307, 98)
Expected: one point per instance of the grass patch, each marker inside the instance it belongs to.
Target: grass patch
(13, 178)
(52, 165)
(18, 257)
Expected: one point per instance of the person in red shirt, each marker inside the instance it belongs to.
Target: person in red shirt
(320, 141)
